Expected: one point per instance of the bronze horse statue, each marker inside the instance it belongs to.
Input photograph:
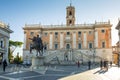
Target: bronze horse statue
(37, 45)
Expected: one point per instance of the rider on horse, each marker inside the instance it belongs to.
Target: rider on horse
(37, 44)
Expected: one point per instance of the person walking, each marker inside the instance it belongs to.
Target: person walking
(89, 65)
(105, 65)
(78, 64)
(4, 65)
(110, 63)
(101, 65)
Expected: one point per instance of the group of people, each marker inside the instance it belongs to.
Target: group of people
(89, 64)
(105, 64)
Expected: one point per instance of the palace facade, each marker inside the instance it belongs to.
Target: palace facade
(71, 41)
(4, 41)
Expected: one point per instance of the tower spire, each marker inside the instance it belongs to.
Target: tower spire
(70, 17)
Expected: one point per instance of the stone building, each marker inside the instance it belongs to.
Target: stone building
(71, 41)
(4, 40)
(117, 58)
(115, 51)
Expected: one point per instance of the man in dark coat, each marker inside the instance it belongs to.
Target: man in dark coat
(101, 64)
(4, 65)
(89, 65)
(78, 64)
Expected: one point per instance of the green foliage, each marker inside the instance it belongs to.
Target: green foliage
(18, 59)
(12, 46)
(15, 43)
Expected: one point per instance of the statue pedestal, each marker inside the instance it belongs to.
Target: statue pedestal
(37, 62)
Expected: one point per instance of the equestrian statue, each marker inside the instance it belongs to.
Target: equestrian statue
(37, 45)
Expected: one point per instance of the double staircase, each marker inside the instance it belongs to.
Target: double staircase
(58, 56)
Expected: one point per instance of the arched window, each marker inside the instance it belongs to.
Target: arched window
(70, 22)
(70, 13)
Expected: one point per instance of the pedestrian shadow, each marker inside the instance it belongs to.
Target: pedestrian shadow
(101, 71)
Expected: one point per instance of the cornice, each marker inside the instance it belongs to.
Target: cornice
(64, 27)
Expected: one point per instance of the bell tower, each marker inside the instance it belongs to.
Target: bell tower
(70, 15)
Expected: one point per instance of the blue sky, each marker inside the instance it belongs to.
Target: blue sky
(20, 12)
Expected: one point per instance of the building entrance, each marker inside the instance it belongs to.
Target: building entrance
(115, 58)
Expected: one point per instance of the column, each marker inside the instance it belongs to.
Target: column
(110, 37)
(61, 41)
(24, 46)
(51, 41)
(5, 55)
(96, 39)
(74, 40)
(85, 40)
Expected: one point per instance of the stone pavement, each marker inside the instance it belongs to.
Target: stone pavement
(96, 74)
(59, 73)
(44, 73)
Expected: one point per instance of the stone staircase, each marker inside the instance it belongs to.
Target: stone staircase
(85, 56)
(58, 56)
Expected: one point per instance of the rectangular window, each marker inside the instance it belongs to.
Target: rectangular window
(79, 33)
(45, 34)
(56, 33)
(90, 45)
(56, 46)
(31, 33)
(103, 44)
(90, 32)
(79, 46)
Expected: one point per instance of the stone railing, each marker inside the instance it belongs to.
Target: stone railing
(50, 56)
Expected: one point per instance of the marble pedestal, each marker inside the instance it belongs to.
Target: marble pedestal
(37, 62)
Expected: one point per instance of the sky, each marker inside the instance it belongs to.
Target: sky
(17, 13)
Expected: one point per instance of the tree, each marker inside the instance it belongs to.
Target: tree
(12, 46)
(18, 59)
